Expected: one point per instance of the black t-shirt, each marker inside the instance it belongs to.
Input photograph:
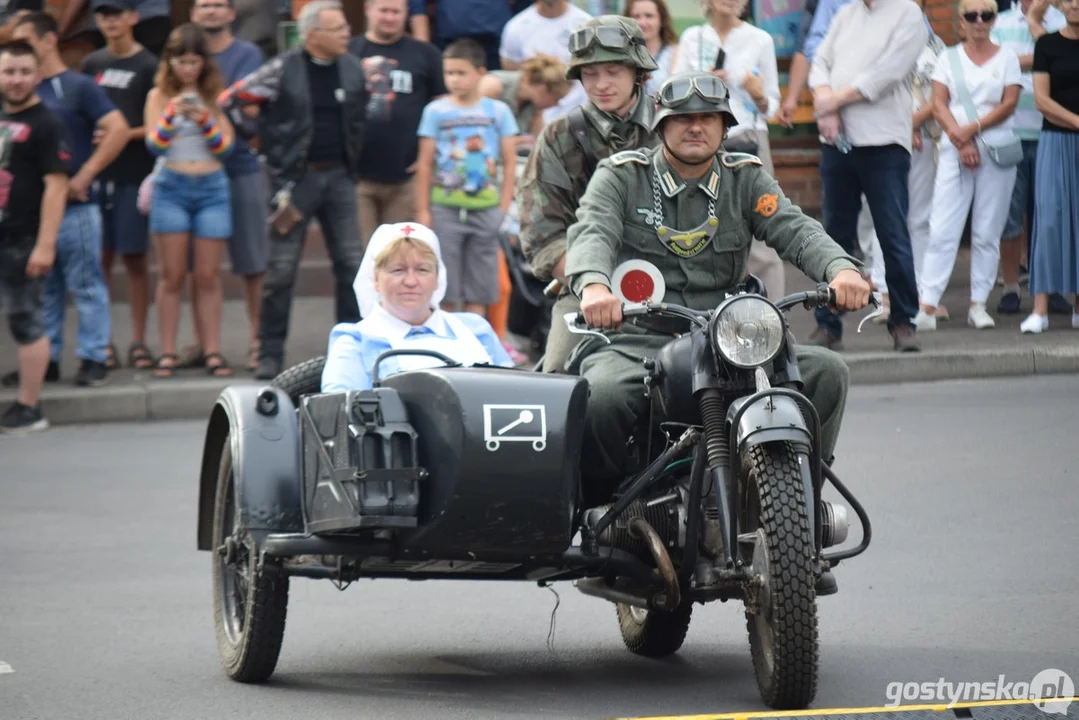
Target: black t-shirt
(328, 142)
(127, 82)
(32, 145)
(1059, 56)
(401, 79)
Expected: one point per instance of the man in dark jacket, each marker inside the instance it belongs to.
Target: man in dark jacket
(311, 104)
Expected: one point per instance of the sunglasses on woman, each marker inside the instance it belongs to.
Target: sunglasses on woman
(985, 15)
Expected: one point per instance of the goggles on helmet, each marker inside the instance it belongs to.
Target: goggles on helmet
(613, 38)
(678, 91)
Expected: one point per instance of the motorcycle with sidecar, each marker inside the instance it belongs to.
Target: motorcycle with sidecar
(472, 473)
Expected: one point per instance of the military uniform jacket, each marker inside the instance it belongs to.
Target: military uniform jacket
(634, 194)
(555, 178)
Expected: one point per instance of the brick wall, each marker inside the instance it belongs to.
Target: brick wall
(797, 154)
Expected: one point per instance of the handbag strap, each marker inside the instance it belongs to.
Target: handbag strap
(961, 83)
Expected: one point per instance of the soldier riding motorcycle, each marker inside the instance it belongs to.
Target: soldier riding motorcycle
(674, 225)
(610, 58)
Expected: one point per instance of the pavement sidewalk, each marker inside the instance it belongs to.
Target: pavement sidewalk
(953, 351)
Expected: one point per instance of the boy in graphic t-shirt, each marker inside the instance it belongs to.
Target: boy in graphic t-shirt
(464, 141)
(125, 70)
(33, 193)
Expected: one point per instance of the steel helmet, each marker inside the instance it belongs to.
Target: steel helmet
(608, 39)
(688, 93)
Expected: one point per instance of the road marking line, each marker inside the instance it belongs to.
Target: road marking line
(938, 707)
(5, 668)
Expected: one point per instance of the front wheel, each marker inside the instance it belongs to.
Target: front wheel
(781, 598)
(249, 604)
(654, 633)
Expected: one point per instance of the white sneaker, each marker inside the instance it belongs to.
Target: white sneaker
(924, 323)
(1035, 324)
(978, 317)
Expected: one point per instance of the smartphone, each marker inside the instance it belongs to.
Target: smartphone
(721, 57)
(191, 99)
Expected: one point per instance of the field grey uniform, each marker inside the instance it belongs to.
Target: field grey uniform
(636, 208)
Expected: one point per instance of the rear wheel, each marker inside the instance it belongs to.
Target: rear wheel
(249, 604)
(654, 633)
(781, 599)
(302, 379)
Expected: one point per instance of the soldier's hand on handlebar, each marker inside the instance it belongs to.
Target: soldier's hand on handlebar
(600, 307)
(851, 290)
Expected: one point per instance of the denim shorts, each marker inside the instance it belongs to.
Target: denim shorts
(197, 204)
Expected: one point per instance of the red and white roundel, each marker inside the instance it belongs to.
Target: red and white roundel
(638, 280)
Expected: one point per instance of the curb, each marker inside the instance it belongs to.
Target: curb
(192, 399)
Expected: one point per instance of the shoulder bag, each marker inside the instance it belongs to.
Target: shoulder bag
(1007, 153)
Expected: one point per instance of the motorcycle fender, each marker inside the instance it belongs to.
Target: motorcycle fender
(264, 439)
(774, 418)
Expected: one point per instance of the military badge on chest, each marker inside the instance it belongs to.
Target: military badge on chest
(683, 243)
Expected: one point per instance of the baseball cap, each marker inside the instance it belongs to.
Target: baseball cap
(118, 5)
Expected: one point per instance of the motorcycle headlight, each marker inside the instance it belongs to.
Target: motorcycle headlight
(748, 331)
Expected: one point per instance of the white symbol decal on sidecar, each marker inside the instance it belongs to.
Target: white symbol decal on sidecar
(515, 423)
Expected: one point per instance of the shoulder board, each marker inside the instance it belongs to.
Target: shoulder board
(628, 156)
(737, 159)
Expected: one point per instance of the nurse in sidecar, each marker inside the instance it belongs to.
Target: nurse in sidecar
(399, 287)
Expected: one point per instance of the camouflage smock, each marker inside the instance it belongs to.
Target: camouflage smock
(555, 178)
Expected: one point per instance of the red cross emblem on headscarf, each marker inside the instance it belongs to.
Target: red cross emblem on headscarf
(407, 229)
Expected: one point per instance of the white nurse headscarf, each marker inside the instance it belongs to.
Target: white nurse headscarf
(364, 285)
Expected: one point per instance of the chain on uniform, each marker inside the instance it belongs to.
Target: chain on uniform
(657, 217)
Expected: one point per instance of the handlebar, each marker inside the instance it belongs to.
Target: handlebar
(823, 296)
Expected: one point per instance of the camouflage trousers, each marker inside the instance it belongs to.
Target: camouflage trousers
(616, 382)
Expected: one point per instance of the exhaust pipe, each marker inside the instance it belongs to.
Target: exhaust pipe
(597, 587)
(672, 594)
(626, 594)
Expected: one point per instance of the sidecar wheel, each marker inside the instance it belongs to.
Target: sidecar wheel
(249, 604)
(654, 633)
(783, 628)
(302, 379)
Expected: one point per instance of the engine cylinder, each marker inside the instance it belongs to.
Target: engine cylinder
(664, 519)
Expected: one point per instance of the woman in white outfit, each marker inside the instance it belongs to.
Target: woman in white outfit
(747, 64)
(659, 35)
(966, 173)
(399, 287)
(923, 168)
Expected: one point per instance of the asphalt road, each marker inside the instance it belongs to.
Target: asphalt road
(105, 603)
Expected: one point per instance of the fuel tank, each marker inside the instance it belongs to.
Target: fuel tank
(502, 450)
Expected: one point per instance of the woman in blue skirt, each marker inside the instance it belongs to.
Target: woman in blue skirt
(1054, 267)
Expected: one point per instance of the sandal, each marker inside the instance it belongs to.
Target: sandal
(253, 357)
(220, 369)
(162, 370)
(111, 363)
(139, 356)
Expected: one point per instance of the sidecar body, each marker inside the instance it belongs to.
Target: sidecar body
(445, 472)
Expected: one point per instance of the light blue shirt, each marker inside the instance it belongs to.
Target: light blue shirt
(468, 150)
(822, 20)
(351, 355)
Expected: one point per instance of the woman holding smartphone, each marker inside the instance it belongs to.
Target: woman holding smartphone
(190, 203)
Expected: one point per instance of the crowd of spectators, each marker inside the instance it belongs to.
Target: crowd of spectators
(186, 143)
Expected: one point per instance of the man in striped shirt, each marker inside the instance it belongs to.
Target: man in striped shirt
(1012, 31)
